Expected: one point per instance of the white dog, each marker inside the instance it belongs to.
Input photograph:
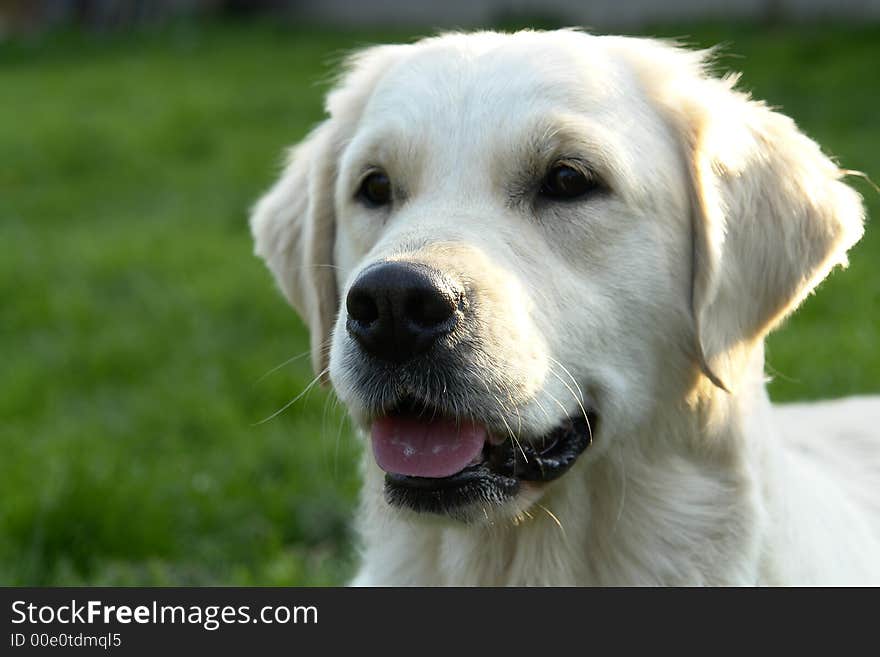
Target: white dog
(539, 269)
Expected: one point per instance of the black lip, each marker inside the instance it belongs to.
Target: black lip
(450, 495)
(498, 477)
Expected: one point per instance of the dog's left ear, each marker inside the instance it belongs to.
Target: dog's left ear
(770, 215)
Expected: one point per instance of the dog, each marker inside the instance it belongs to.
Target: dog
(538, 269)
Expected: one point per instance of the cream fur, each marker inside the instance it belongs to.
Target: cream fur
(652, 299)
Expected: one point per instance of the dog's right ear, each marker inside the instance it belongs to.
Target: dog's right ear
(294, 226)
(294, 223)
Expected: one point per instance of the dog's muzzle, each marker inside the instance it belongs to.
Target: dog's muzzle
(410, 324)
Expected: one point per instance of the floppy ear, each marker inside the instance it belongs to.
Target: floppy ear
(770, 215)
(294, 226)
(294, 223)
(771, 218)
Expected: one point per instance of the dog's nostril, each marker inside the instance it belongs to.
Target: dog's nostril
(429, 308)
(362, 307)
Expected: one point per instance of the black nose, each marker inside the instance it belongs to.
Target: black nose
(397, 310)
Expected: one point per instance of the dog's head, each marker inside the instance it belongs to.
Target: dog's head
(514, 249)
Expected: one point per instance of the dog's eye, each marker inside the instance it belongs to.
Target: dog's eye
(563, 182)
(375, 189)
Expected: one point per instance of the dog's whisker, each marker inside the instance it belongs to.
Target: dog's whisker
(579, 403)
(342, 421)
(570, 376)
(278, 367)
(326, 405)
(515, 407)
(295, 399)
(543, 408)
(557, 402)
(324, 347)
(552, 516)
(510, 431)
(319, 266)
(331, 403)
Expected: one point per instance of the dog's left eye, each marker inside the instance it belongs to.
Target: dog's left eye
(375, 189)
(564, 182)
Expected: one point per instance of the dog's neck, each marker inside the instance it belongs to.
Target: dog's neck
(663, 507)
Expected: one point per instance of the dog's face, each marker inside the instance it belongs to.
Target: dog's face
(513, 249)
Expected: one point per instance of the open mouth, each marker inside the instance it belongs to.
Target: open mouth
(437, 464)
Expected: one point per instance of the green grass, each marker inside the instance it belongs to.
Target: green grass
(136, 324)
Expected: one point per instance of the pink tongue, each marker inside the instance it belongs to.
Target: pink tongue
(421, 448)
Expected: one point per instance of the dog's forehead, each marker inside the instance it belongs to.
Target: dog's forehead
(481, 78)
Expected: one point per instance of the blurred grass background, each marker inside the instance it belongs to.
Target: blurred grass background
(136, 324)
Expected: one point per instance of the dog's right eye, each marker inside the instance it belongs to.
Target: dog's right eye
(565, 183)
(375, 190)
